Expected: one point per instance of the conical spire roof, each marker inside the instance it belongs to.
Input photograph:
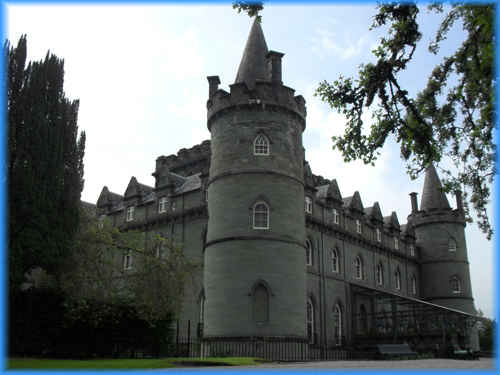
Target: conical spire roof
(433, 196)
(253, 64)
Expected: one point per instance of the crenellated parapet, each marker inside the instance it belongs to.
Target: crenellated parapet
(188, 161)
(266, 95)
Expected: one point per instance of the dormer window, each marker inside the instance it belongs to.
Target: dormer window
(162, 205)
(396, 243)
(261, 145)
(379, 235)
(130, 213)
(335, 214)
(308, 205)
(358, 226)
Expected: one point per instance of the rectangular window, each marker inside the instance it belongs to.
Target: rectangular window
(379, 235)
(130, 213)
(162, 205)
(412, 250)
(358, 226)
(335, 214)
(127, 262)
(396, 243)
(308, 205)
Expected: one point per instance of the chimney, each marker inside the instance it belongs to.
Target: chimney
(213, 85)
(414, 204)
(460, 203)
(274, 63)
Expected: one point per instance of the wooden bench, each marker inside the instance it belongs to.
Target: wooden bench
(400, 351)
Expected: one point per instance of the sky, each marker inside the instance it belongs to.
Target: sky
(140, 72)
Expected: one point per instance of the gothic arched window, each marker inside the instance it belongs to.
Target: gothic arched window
(414, 285)
(397, 280)
(380, 274)
(261, 304)
(309, 253)
(310, 321)
(260, 216)
(455, 284)
(452, 245)
(261, 145)
(337, 324)
(335, 261)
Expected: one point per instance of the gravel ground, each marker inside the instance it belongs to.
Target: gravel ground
(481, 364)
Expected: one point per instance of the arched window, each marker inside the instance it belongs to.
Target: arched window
(455, 284)
(335, 261)
(358, 268)
(261, 145)
(380, 274)
(308, 205)
(260, 216)
(337, 324)
(310, 321)
(414, 285)
(309, 253)
(397, 280)
(452, 245)
(261, 304)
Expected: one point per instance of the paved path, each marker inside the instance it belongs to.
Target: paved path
(481, 364)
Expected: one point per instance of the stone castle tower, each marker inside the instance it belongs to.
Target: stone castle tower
(255, 271)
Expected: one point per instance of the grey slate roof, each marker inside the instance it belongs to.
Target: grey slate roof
(253, 64)
(433, 197)
(191, 183)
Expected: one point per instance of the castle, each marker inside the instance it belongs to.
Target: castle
(284, 254)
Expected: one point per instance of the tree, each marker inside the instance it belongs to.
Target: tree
(142, 270)
(252, 8)
(451, 119)
(45, 164)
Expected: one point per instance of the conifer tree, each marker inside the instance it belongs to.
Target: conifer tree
(45, 164)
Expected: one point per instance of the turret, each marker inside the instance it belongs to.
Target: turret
(440, 236)
(254, 269)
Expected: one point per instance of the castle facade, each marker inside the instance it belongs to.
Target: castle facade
(284, 254)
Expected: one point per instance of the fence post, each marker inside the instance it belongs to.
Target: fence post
(189, 339)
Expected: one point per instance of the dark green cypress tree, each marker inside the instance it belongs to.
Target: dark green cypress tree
(45, 164)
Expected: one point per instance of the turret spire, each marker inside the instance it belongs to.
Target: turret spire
(253, 64)
(433, 196)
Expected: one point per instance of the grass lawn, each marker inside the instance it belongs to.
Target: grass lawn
(123, 364)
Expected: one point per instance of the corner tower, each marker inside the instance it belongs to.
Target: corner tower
(440, 234)
(254, 269)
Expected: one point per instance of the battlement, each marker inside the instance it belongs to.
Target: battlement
(185, 156)
(266, 94)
